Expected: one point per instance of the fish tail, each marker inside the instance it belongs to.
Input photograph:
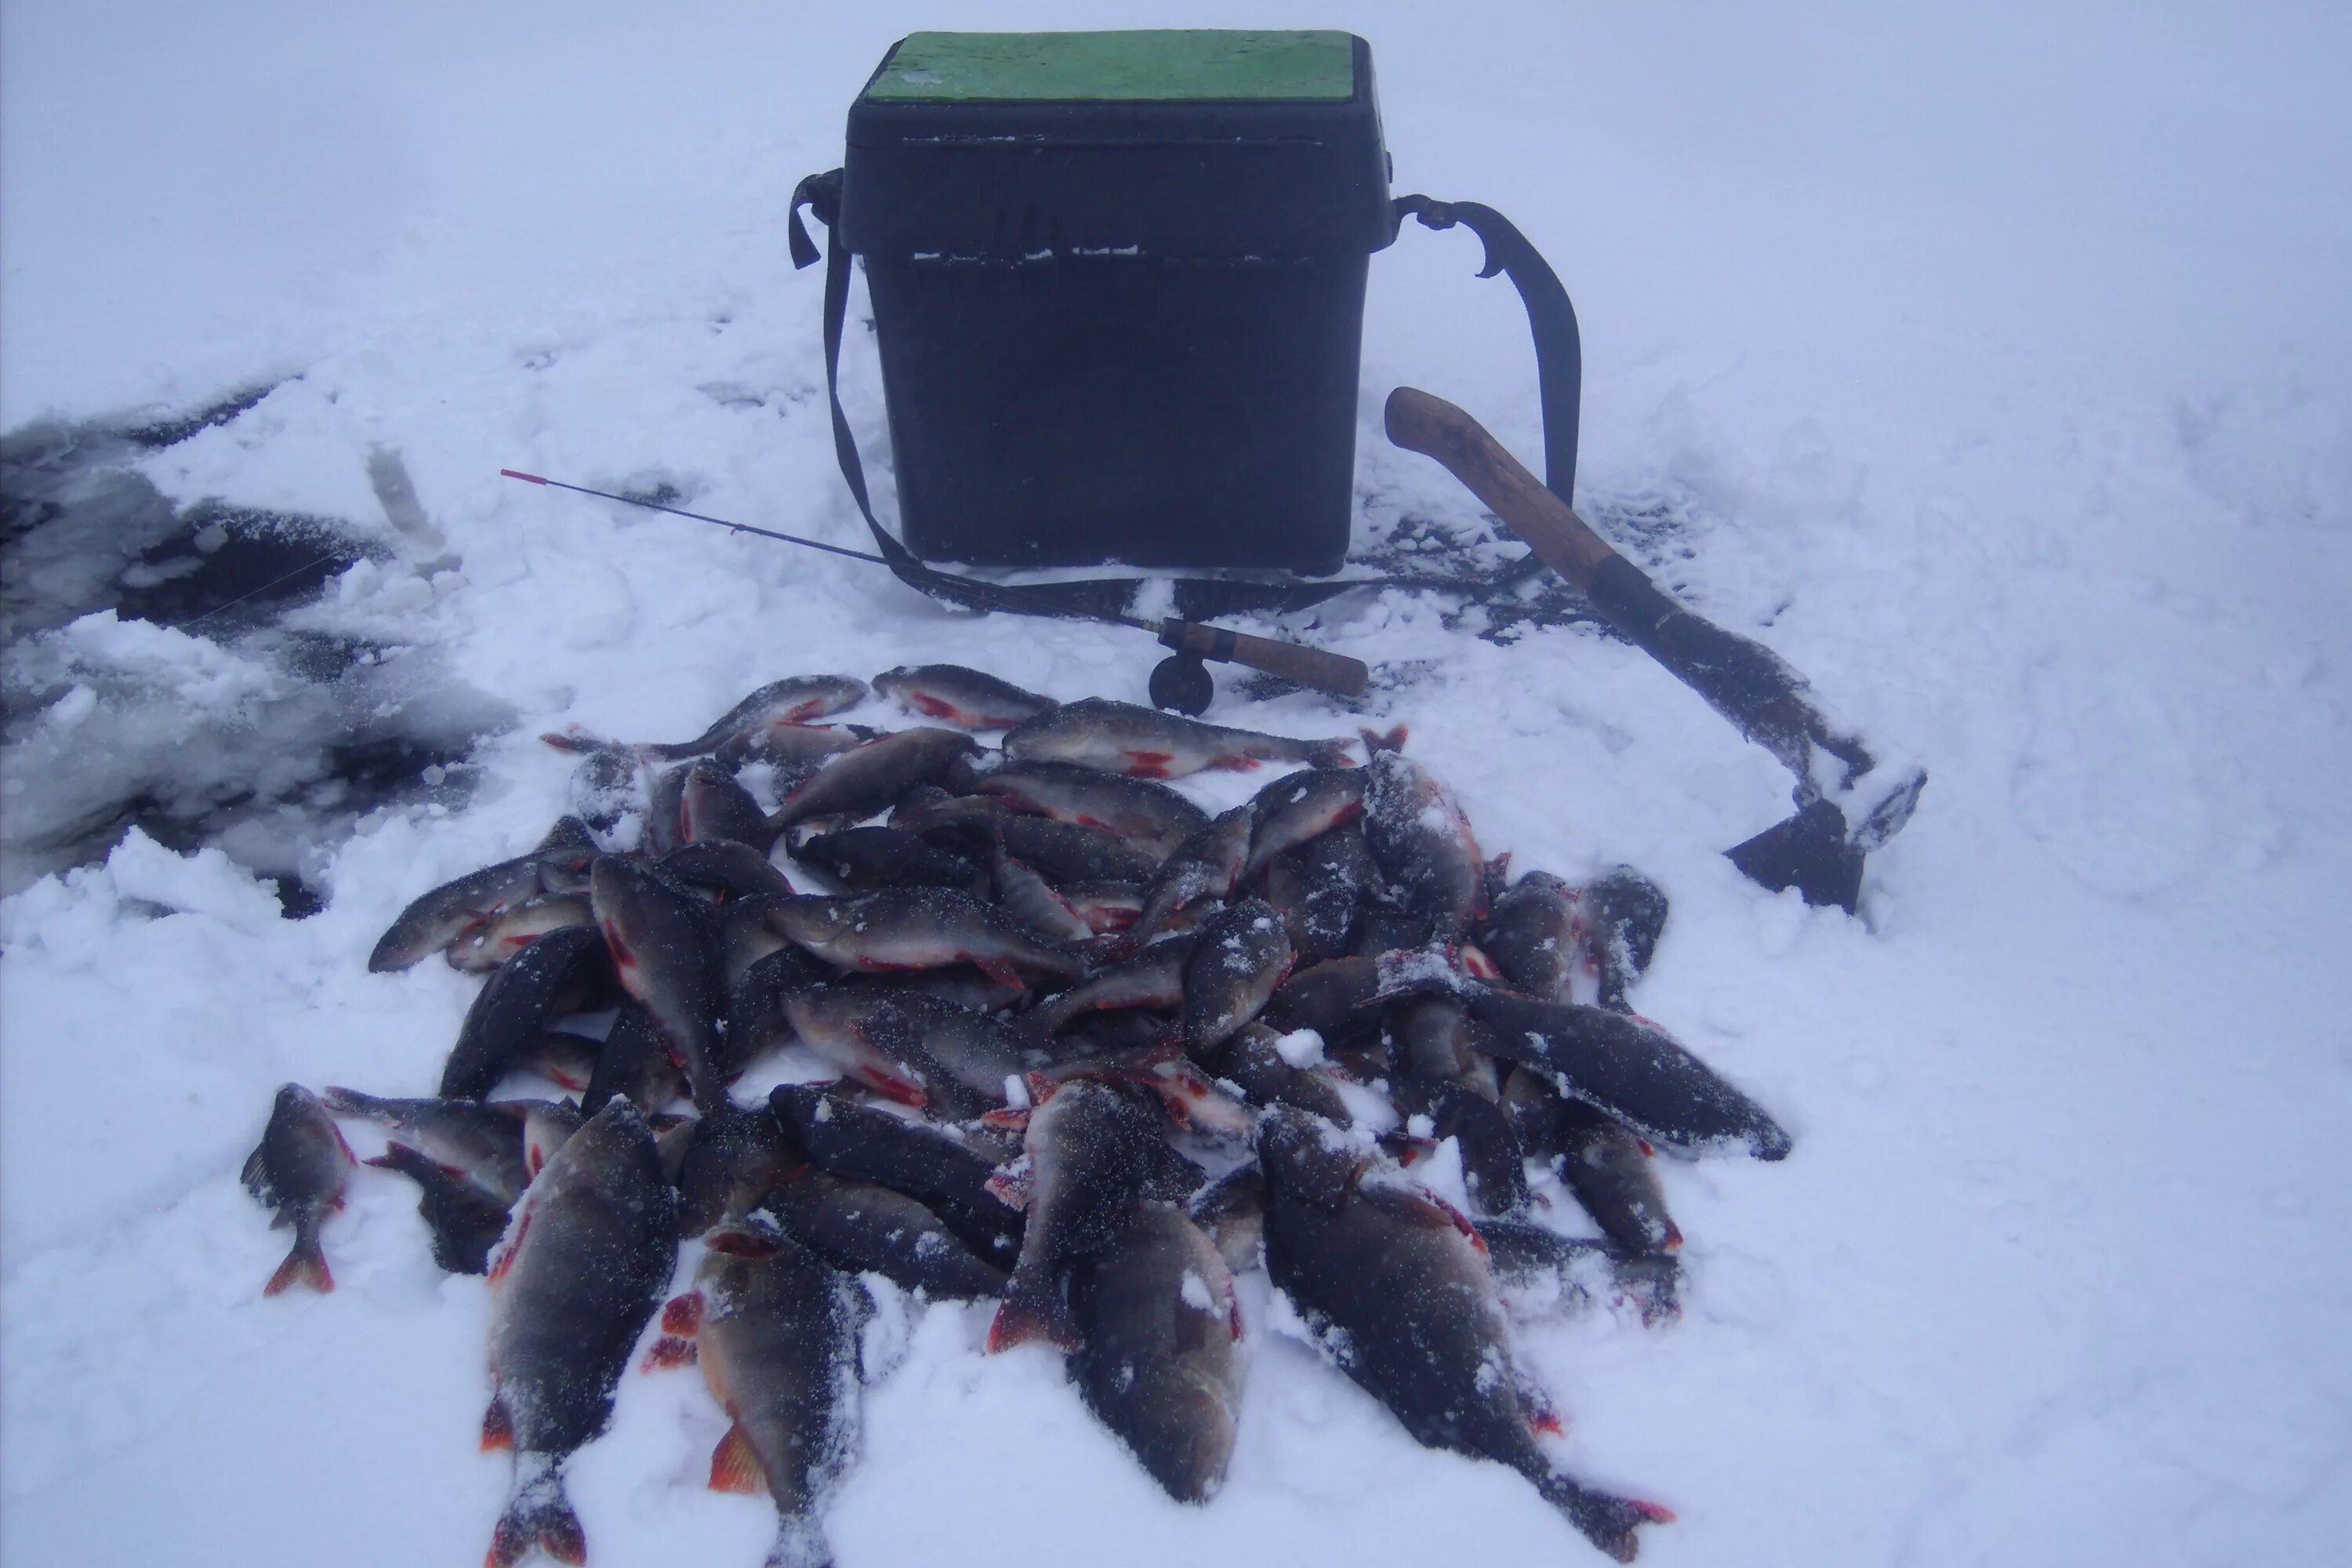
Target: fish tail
(1331, 753)
(1606, 1520)
(1033, 1308)
(539, 1515)
(306, 1265)
(800, 1544)
(1374, 741)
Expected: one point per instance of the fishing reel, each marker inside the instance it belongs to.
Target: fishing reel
(1181, 681)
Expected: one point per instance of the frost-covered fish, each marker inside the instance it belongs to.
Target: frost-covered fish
(465, 1221)
(1438, 1044)
(731, 1160)
(633, 1062)
(1152, 978)
(1420, 838)
(726, 867)
(564, 971)
(866, 859)
(1088, 1153)
(1614, 1175)
(488, 945)
(921, 928)
(1306, 804)
(482, 1141)
(955, 695)
(1238, 959)
(1625, 912)
(1536, 933)
(573, 1281)
(1158, 1322)
(978, 1051)
(776, 1331)
(1631, 1068)
(795, 700)
(1395, 1286)
(1205, 867)
(789, 745)
(1231, 1211)
(859, 1142)
(1192, 1101)
(665, 946)
(1146, 743)
(1028, 898)
(1107, 908)
(1251, 1059)
(1148, 815)
(299, 1169)
(858, 1033)
(862, 782)
(712, 807)
(1063, 851)
(1318, 886)
(435, 920)
(862, 1226)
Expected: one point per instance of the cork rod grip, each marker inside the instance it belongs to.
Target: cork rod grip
(1332, 672)
(1436, 428)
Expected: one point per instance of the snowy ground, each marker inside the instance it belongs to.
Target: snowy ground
(1998, 358)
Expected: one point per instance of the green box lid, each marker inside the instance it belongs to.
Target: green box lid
(1156, 64)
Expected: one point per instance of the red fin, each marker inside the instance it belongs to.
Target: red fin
(1009, 1187)
(734, 1468)
(1548, 1422)
(996, 969)
(1006, 1118)
(669, 1352)
(737, 1242)
(498, 1432)
(506, 1250)
(545, 1521)
(889, 1085)
(1025, 1316)
(306, 1265)
(1460, 1221)
(1673, 1240)
(683, 1316)
(931, 707)
(572, 740)
(1479, 966)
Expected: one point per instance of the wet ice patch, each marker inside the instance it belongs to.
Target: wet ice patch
(208, 674)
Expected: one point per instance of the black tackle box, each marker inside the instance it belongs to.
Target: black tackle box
(1118, 283)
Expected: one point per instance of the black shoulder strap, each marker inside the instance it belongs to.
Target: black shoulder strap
(1560, 369)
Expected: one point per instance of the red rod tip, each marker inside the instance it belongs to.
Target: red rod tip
(518, 474)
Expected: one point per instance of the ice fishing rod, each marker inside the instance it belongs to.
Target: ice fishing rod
(1186, 687)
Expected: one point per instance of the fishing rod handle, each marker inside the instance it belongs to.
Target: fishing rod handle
(1332, 672)
(1436, 428)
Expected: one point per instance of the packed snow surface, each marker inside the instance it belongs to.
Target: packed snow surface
(1996, 365)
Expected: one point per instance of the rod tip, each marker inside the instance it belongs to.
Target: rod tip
(518, 474)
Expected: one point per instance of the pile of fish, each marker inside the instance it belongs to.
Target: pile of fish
(1083, 1048)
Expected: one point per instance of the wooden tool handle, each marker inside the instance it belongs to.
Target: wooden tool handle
(1332, 672)
(1436, 428)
